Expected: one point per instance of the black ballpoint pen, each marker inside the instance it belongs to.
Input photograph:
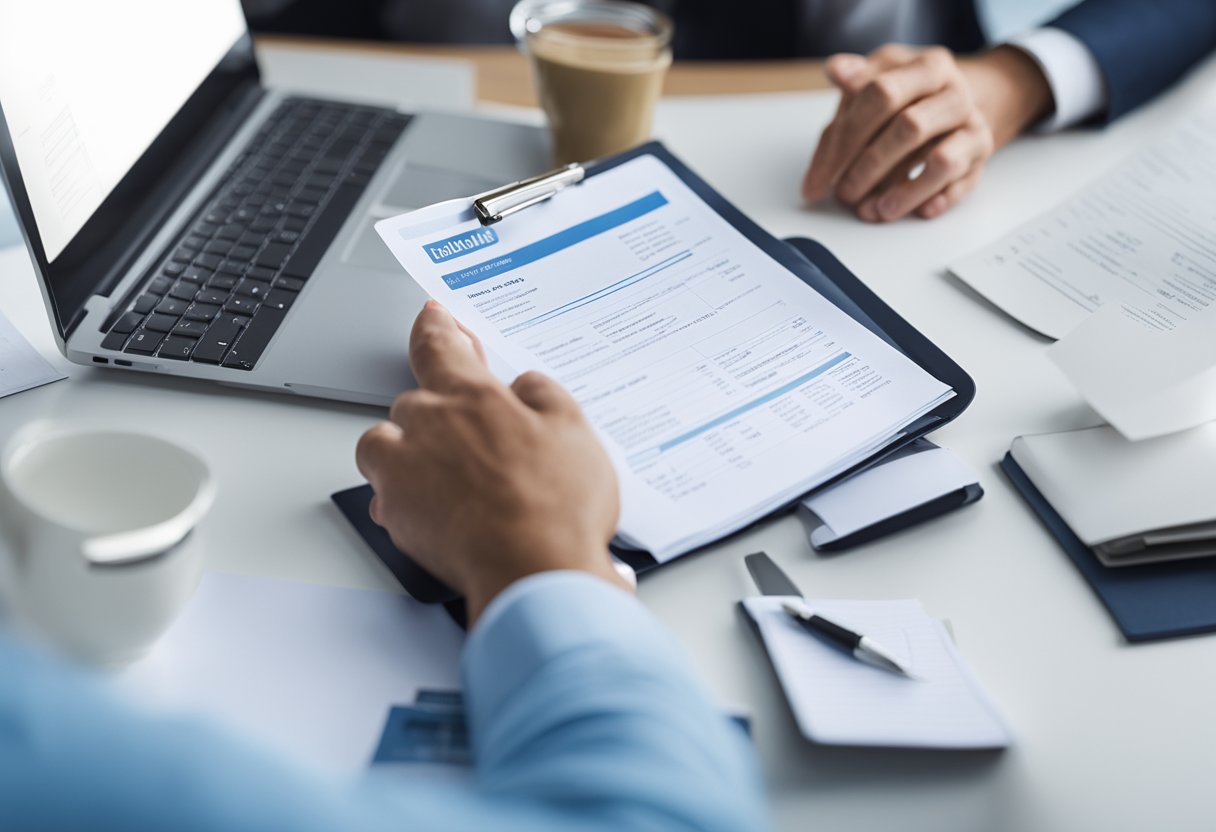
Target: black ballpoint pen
(861, 647)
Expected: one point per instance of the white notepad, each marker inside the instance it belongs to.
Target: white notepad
(838, 700)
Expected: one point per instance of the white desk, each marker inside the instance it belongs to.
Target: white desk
(1109, 736)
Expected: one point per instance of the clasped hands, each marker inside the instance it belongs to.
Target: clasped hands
(915, 127)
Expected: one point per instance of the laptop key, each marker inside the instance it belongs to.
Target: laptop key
(160, 323)
(144, 342)
(261, 273)
(196, 275)
(176, 348)
(145, 304)
(184, 290)
(211, 296)
(222, 282)
(253, 288)
(172, 307)
(241, 305)
(173, 269)
(160, 285)
(202, 312)
(207, 261)
(219, 338)
(114, 341)
(273, 255)
(292, 284)
(254, 340)
(127, 323)
(279, 299)
(190, 329)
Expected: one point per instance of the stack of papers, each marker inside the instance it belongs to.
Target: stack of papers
(838, 700)
(722, 385)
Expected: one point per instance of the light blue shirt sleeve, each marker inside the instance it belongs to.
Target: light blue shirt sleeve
(584, 716)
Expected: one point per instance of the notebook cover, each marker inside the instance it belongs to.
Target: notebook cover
(1150, 601)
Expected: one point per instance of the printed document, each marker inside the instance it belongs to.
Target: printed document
(1143, 236)
(722, 385)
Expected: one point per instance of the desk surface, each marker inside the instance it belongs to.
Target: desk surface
(1108, 736)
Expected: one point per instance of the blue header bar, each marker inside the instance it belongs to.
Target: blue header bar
(549, 245)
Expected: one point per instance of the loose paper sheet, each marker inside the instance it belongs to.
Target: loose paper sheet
(311, 671)
(21, 366)
(1144, 235)
(1144, 381)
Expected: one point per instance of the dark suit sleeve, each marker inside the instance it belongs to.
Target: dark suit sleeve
(1143, 46)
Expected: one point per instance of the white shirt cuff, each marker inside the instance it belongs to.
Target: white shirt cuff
(1076, 80)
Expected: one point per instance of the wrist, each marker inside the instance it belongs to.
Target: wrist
(494, 575)
(1009, 89)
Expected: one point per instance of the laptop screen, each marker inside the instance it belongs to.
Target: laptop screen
(87, 86)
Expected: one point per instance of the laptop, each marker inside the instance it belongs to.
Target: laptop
(185, 220)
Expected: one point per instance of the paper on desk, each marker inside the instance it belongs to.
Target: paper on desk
(311, 671)
(892, 488)
(1144, 381)
(1144, 235)
(838, 700)
(21, 366)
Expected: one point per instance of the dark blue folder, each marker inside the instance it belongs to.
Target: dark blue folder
(1147, 601)
(816, 266)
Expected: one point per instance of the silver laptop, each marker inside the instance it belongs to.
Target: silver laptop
(187, 221)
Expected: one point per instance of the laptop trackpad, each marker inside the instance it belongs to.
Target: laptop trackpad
(418, 186)
(415, 187)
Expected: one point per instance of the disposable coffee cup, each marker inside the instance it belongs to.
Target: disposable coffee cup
(599, 67)
(99, 541)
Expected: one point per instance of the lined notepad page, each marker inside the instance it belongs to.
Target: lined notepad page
(838, 700)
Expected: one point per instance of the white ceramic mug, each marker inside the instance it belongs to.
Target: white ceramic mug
(100, 548)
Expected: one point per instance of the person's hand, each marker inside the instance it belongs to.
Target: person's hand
(484, 484)
(915, 127)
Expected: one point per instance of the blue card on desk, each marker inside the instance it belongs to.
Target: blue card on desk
(433, 730)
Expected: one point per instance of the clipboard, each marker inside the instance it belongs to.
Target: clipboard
(807, 259)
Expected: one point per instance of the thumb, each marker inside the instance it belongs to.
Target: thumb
(843, 68)
(543, 394)
(444, 355)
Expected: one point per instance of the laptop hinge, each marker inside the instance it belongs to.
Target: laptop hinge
(184, 176)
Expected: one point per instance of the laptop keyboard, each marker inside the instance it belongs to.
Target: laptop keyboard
(223, 289)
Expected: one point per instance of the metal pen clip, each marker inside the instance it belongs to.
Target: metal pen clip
(492, 206)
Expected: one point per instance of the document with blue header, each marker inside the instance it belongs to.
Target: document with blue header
(722, 385)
